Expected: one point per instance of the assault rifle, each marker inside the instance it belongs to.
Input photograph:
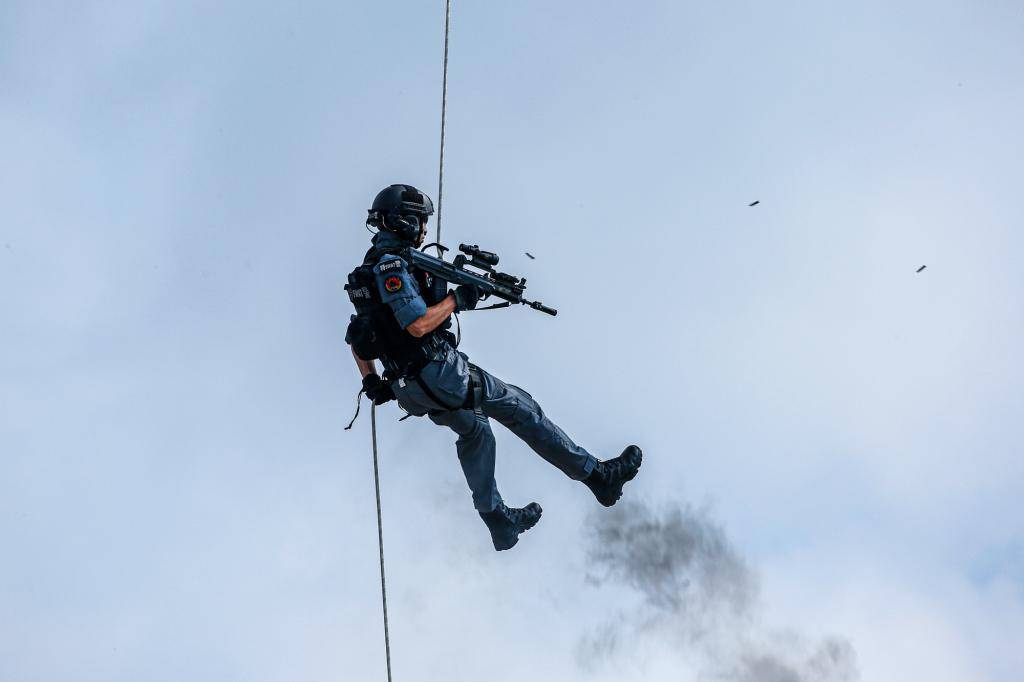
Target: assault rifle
(489, 281)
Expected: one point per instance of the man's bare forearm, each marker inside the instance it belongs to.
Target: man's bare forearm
(365, 366)
(433, 318)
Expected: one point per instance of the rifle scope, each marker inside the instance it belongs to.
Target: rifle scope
(476, 252)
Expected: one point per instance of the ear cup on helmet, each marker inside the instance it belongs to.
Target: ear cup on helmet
(374, 220)
(405, 226)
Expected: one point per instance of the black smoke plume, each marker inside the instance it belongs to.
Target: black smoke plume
(697, 596)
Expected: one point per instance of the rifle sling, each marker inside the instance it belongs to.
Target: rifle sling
(506, 304)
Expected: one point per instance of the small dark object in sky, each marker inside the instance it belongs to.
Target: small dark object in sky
(921, 268)
(754, 203)
(532, 257)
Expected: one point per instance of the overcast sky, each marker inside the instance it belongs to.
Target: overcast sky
(183, 189)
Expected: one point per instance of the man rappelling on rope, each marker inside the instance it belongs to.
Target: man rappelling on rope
(403, 317)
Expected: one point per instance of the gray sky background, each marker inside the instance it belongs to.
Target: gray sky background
(183, 189)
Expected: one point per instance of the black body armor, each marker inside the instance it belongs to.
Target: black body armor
(373, 331)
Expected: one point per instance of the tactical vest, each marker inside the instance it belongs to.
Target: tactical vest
(373, 331)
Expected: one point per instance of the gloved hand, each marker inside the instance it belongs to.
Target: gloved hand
(377, 390)
(466, 297)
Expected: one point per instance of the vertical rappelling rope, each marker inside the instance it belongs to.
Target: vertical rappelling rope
(373, 407)
(444, 112)
(380, 538)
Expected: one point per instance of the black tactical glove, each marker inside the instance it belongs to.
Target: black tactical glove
(377, 390)
(466, 297)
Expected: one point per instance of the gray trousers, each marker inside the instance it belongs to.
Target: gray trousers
(447, 378)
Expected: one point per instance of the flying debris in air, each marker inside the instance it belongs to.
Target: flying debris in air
(532, 257)
(754, 203)
(921, 268)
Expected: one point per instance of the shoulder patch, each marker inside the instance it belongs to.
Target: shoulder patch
(393, 283)
(389, 265)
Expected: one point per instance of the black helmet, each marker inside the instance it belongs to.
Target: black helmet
(401, 209)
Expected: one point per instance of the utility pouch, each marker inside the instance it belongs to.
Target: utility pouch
(362, 336)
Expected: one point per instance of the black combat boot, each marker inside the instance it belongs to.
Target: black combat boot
(506, 523)
(608, 477)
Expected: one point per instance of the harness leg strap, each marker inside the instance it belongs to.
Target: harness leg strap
(474, 390)
(445, 407)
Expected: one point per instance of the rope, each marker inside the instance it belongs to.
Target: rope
(359, 400)
(373, 407)
(380, 538)
(444, 112)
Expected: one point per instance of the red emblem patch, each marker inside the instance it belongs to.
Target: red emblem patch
(393, 284)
